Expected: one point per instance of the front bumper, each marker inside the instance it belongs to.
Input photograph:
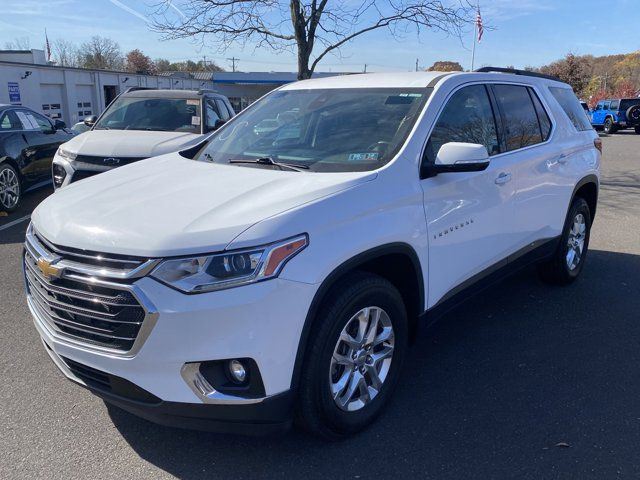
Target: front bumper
(270, 416)
(262, 321)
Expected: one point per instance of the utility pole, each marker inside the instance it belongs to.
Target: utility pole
(417, 64)
(233, 61)
(365, 68)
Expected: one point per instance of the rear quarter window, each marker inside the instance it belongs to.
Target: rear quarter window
(571, 107)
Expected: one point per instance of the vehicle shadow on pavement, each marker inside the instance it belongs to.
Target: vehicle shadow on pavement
(518, 382)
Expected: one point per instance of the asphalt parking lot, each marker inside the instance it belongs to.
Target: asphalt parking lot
(525, 381)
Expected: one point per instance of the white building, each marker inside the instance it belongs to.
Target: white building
(70, 94)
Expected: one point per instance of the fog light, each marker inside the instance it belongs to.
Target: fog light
(237, 371)
(59, 174)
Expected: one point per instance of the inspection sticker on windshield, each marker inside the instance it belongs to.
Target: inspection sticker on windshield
(363, 157)
(193, 102)
(195, 120)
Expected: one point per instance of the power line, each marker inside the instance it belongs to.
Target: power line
(233, 61)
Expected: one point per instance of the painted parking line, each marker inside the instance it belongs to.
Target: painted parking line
(15, 222)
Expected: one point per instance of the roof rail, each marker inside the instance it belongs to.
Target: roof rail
(133, 89)
(515, 71)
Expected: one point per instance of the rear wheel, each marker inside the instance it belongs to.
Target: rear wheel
(10, 188)
(568, 260)
(637, 129)
(609, 127)
(354, 357)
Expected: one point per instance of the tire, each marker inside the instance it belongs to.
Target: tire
(637, 130)
(329, 363)
(10, 188)
(563, 269)
(609, 127)
(633, 114)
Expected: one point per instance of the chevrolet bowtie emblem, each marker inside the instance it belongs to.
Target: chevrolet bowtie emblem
(49, 271)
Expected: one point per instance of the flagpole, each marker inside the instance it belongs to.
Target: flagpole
(473, 50)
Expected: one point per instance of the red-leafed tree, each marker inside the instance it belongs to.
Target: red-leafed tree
(625, 89)
(597, 96)
(138, 62)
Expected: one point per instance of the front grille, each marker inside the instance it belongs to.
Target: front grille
(107, 161)
(83, 307)
(82, 174)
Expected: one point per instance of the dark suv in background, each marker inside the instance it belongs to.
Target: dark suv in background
(616, 114)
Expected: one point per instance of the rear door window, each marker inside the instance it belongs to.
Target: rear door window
(543, 117)
(572, 108)
(521, 125)
(615, 104)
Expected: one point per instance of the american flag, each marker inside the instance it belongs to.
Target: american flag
(479, 25)
(48, 46)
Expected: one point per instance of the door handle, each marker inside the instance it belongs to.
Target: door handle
(563, 159)
(503, 178)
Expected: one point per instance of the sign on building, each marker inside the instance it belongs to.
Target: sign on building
(14, 93)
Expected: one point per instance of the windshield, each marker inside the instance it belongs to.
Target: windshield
(157, 114)
(333, 130)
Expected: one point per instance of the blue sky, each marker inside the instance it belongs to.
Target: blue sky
(527, 32)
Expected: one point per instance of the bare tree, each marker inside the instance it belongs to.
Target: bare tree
(65, 53)
(20, 43)
(314, 28)
(101, 53)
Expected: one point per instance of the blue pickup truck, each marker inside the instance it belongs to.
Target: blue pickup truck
(616, 114)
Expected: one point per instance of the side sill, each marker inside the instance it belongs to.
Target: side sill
(532, 253)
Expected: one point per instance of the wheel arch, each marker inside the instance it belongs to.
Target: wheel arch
(13, 163)
(587, 188)
(396, 262)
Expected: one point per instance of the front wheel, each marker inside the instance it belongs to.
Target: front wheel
(354, 357)
(10, 188)
(567, 263)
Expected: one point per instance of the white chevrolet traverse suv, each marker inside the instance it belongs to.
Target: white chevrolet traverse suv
(140, 123)
(280, 273)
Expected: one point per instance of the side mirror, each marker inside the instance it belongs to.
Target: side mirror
(59, 125)
(90, 120)
(461, 157)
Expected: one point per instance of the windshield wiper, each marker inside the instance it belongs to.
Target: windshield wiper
(271, 161)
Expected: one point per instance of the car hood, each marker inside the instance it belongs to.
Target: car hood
(169, 205)
(129, 143)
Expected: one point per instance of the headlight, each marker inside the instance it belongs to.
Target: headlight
(66, 154)
(205, 273)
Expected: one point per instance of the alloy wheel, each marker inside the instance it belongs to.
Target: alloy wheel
(575, 242)
(9, 188)
(361, 359)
